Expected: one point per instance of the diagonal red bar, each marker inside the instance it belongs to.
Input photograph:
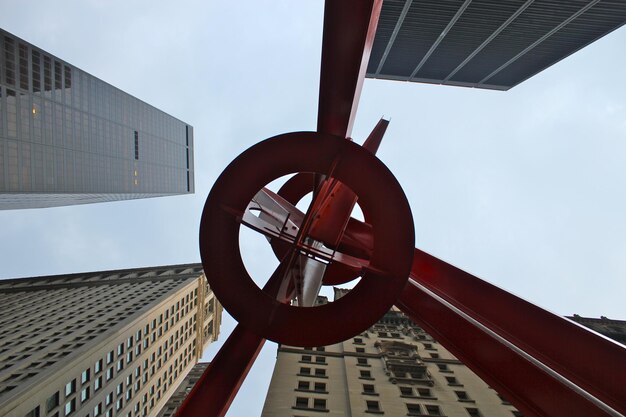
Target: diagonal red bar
(218, 385)
(533, 389)
(594, 364)
(349, 29)
(372, 143)
(213, 393)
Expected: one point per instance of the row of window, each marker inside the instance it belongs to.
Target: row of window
(318, 359)
(124, 355)
(373, 406)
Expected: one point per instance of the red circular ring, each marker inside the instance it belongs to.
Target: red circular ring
(379, 193)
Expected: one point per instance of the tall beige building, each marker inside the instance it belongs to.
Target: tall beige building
(394, 368)
(114, 343)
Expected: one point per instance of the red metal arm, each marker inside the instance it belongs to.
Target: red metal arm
(349, 29)
(213, 393)
(545, 364)
(220, 382)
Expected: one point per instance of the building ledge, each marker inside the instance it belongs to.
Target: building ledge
(319, 410)
(310, 391)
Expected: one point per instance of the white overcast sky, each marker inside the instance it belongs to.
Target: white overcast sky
(525, 188)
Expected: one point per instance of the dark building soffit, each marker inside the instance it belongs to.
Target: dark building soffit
(484, 54)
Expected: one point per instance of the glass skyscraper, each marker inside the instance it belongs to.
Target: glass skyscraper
(67, 137)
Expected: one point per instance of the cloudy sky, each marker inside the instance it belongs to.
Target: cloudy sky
(525, 188)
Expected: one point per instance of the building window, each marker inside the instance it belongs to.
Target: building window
(320, 359)
(443, 367)
(453, 381)
(97, 410)
(303, 385)
(373, 407)
(320, 387)
(424, 392)
(365, 374)
(52, 402)
(517, 414)
(70, 388)
(97, 384)
(462, 396)
(433, 410)
(473, 412)
(358, 341)
(109, 374)
(120, 349)
(320, 349)
(302, 402)
(319, 404)
(320, 372)
(98, 366)
(360, 350)
(33, 413)
(414, 409)
(361, 361)
(84, 377)
(306, 358)
(434, 355)
(406, 391)
(368, 389)
(70, 407)
(110, 357)
(108, 399)
(84, 394)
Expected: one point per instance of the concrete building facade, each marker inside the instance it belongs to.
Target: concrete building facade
(392, 369)
(175, 401)
(114, 343)
(67, 137)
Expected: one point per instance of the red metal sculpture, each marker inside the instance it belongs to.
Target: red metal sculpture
(545, 364)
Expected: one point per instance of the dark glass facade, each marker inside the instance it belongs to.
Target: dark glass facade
(67, 137)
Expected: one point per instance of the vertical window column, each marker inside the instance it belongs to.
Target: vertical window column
(136, 145)
(187, 153)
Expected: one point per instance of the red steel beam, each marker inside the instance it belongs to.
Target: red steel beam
(372, 143)
(215, 390)
(349, 29)
(213, 393)
(534, 390)
(505, 339)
